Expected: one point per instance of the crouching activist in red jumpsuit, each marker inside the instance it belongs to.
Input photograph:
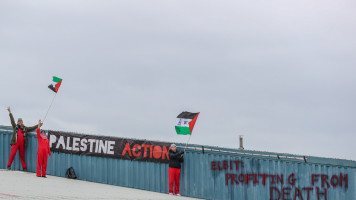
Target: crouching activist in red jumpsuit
(42, 152)
(18, 140)
(175, 160)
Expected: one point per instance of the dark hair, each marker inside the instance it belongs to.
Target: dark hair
(43, 131)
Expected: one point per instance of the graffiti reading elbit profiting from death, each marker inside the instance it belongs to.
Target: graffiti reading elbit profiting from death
(319, 183)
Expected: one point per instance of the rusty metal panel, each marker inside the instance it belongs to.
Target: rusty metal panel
(209, 173)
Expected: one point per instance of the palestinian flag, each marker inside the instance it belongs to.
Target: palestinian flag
(185, 123)
(56, 84)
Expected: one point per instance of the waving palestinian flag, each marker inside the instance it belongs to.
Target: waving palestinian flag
(185, 123)
(56, 84)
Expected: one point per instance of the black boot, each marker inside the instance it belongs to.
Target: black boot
(8, 168)
(25, 170)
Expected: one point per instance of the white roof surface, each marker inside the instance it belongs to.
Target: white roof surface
(23, 185)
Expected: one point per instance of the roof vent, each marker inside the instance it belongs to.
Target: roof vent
(241, 142)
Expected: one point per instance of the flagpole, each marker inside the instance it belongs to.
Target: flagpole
(187, 142)
(49, 107)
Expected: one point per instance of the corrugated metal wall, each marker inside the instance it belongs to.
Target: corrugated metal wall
(198, 179)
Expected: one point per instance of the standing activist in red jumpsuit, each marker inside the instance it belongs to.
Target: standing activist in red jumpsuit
(175, 160)
(42, 152)
(18, 140)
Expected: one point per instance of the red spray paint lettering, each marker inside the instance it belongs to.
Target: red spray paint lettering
(319, 182)
(224, 165)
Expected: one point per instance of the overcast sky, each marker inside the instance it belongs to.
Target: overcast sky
(281, 73)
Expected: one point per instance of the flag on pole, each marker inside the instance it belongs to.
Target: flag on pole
(185, 123)
(56, 84)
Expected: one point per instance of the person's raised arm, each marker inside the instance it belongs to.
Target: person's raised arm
(38, 129)
(174, 154)
(11, 117)
(29, 129)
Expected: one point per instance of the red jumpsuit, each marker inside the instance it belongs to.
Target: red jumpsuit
(42, 154)
(20, 145)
